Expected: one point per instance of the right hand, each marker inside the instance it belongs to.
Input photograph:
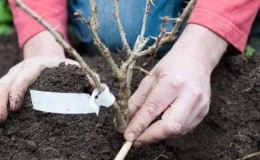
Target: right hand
(14, 84)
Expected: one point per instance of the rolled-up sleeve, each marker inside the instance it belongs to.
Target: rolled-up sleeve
(53, 11)
(231, 20)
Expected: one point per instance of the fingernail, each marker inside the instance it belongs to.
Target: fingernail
(2, 118)
(130, 136)
(15, 103)
(138, 144)
(12, 104)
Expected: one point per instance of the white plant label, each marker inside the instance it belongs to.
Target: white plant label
(71, 103)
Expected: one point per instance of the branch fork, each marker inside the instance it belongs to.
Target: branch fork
(124, 72)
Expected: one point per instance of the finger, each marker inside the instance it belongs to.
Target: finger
(72, 62)
(4, 92)
(158, 131)
(25, 77)
(29, 72)
(158, 100)
(172, 121)
(139, 97)
(5, 85)
(196, 116)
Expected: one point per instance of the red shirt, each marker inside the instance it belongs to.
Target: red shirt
(231, 20)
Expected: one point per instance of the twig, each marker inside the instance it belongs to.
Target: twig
(147, 11)
(94, 26)
(64, 44)
(253, 155)
(120, 27)
(139, 44)
(175, 29)
(141, 41)
(163, 32)
(161, 155)
(182, 17)
(166, 39)
(142, 70)
(121, 106)
(124, 150)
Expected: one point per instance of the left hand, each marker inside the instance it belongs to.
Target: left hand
(178, 88)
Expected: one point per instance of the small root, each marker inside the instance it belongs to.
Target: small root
(142, 70)
(161, 155)
(253, 155)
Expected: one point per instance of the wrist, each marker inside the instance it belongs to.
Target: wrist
(42, 44)
(201, 44)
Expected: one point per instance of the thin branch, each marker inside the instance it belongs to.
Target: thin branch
(161, 155)
(142, 70)
(141, 41)
(163, 32)
(120, 27)
(124, 150)
(182, 17)
(175, 29)
(169, 37)
(63, 43)
(253, 155)
(147, 11)
(94, 26)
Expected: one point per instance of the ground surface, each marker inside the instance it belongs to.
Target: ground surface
(231, 129)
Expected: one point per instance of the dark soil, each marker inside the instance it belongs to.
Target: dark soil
(231, 129)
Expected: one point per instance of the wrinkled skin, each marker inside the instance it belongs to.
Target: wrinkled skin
(178, 88)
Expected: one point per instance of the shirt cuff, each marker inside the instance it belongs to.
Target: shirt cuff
(220, 26)
(28, 31)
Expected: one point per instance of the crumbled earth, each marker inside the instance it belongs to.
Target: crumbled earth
(231, 130)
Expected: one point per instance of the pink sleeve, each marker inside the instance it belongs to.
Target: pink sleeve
(231, 20)
(53, 11)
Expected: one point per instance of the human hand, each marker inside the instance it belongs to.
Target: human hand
(40, 51)
(14, 84)
(178, 87)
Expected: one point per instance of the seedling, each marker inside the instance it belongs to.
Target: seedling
(124, 73)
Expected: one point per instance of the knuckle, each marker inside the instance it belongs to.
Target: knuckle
(140, 127)
(132, 105)
(174, 82)
(178, 80)
(153, 109)
(173, 129)
(196, 92)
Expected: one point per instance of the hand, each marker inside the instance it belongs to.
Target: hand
(40, 51)
(178, 87)
(15, 83)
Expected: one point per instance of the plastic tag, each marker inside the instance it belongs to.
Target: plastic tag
(71, 103)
